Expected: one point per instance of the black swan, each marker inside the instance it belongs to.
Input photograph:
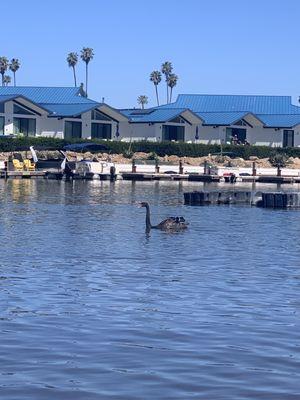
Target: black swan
(169, 224)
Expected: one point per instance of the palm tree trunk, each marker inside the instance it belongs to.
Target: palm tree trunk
(14, 78)
(167, 93)
(171, 90)
(142, 106)
(157, 95)
(2, 79)
(74, 73)
(86, 79)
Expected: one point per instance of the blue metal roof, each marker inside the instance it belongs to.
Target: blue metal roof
(4, 98)
(60, 101)
(221, 118)
(47, 95)
(153, 115)
(68, 110)
(235, 103)
(280, 120)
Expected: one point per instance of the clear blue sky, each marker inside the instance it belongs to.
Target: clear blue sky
(216, 46)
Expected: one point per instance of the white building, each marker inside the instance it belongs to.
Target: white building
(211, 119)
(56, 112)
(260, 120)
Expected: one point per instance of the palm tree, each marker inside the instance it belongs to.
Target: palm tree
(142, 100)
(172, 82)
(14, 66)
(167, 69)
(6, 80)
(3, 67)
(155, 77)
(87, 55)
(72, 60)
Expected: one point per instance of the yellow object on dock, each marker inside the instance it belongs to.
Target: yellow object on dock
(28, 165)
(18, 165)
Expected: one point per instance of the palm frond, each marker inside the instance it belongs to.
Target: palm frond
(87, 54)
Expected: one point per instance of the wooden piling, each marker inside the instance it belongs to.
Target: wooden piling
(180, 167)
(156, 167)
(133, 168)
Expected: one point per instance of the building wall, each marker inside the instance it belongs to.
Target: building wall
(212, 135)
(137, 132)
(260, 136)
(52, 127)
(86, 125)
(297, 136)
(9, 118)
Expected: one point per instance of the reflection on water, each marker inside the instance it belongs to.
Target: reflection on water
(92, 308)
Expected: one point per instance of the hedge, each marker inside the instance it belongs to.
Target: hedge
(161, 149)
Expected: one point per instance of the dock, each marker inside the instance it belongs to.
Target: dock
(22, 174)
(149, 176)
(279, 200)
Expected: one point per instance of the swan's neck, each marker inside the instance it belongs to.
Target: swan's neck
(148, 221)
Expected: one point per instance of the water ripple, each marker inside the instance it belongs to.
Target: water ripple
(92, 308)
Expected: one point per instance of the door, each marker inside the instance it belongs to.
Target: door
(288, 138)
(173, 132)
(72, 130)
(25, 126)
(101, 131)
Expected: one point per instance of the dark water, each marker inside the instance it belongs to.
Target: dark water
(92, 308)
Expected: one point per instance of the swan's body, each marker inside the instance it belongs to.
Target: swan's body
(169, 224)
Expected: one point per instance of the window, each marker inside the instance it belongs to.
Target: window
(72, 130)
(2, 108)
(22, 110)
(25, 126)
(178, 120)
(171, 132)
(97, 115)
(238, 133)
(288, 138)
(1, 125)
(241, 122)
(101, 131)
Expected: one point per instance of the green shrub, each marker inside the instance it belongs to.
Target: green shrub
(161, 149)
(279, 160)
(127, 153)
(152, 156)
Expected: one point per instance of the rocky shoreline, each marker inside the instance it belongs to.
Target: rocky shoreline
(214, 160)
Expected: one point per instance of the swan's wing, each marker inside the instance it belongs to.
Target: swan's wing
(172, 224)
(167, 223)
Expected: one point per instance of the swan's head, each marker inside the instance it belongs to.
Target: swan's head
(143, 204)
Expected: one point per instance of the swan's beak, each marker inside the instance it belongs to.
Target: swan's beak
(138, 204)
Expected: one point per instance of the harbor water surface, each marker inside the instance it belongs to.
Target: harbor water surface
(93, 308)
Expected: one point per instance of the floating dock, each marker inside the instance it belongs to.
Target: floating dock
(22, 174)
(283, 200)
(202, 198)
(149, 176)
